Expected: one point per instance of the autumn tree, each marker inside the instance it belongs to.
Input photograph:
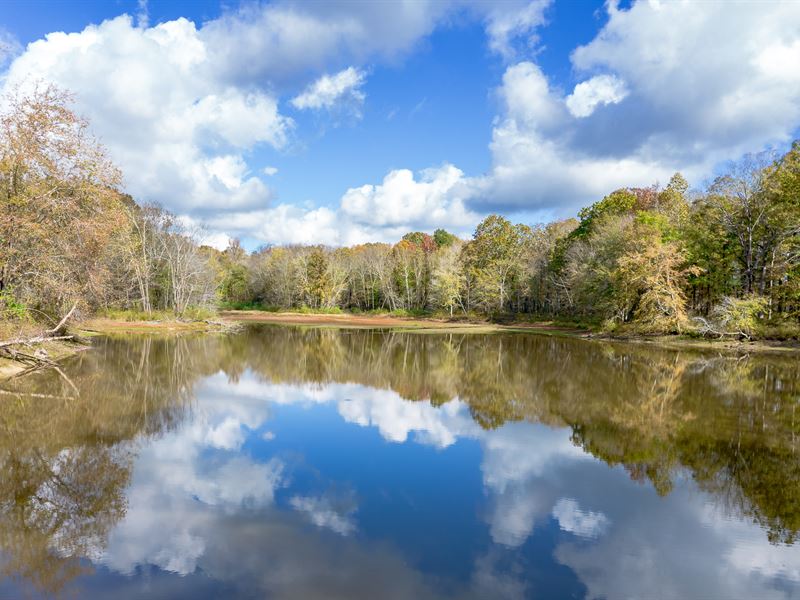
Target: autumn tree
(59, 204)
(496, 256)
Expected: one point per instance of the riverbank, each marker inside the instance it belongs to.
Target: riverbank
(51, 350)
(433, 325)
(54, 351)
(678, 342)
(230, 320)
(107, 326)
(416, 324)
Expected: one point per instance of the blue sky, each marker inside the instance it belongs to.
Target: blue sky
(341, 122)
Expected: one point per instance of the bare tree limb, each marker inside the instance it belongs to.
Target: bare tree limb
(58, 328)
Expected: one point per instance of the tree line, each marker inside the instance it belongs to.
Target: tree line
(724, 261)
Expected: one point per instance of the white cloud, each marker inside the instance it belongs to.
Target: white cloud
(403, 200)
(586, 524)
(370, 213)
(601, 89)
(329, 91)
(181, 107)
(697, 100)
(281, 41)
(504, 26)
(535, 164)
(323, 512)
(178, 132)
(396, 418)
(669, 104)
(270, 171)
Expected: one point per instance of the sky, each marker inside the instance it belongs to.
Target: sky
(344, 122)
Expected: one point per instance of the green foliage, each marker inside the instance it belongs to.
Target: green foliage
(740, 316)
(615, 204)
(11, 308)
(641, 259)
(318, 282)
(234, 284)
(443, 238)
(198, 313)
(311, 310)
(133, 314)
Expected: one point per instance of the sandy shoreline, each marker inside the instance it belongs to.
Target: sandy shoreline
(389, 322)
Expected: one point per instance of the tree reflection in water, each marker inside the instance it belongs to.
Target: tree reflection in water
(731, 422)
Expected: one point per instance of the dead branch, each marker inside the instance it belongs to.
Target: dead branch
(705, 328)
(59, 328)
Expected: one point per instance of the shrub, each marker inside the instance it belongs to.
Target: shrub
(739, 316)
(11, 308)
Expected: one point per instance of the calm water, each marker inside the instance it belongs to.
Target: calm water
(306, 463)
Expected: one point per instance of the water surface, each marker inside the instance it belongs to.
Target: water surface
(290, 462)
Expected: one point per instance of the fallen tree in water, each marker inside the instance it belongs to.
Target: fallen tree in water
(38, 357)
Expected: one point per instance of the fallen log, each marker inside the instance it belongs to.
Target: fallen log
(39, 357)
(35, 340)
(48, 336)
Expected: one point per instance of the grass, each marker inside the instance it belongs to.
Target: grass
(785, 331)
(248, 306)
(193, 313)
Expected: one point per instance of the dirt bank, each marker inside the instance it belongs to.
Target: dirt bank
(390, 322)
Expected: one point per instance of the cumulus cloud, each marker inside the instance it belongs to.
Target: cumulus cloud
(662, 102)
(401, 199)
(182, 107)
(535, 163)
(651, 101)
(281, 41)
(178, 132)
(586, 524)
(142, 14)
(329, 91)
(374, 212)
(599, 90)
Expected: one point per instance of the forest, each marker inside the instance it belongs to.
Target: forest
(721, 261)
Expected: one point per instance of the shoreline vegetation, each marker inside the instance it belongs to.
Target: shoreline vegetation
(227, 321)
(717, 268)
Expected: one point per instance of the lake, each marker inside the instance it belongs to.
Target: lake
(297, 462)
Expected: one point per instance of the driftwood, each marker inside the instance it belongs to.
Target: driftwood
(705, 327)
(35, 340)
(39, 358)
